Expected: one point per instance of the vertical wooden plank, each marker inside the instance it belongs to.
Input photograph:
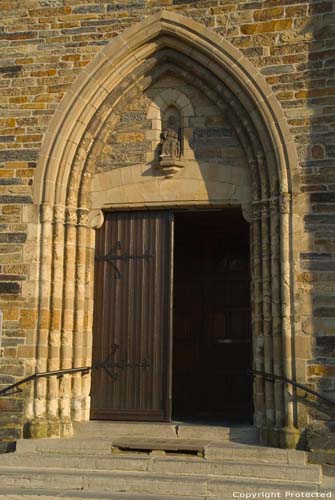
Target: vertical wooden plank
(133, 311)
(169, 338)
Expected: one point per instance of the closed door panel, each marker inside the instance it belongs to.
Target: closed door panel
(132, 317)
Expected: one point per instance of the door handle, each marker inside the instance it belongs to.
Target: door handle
(232, 341)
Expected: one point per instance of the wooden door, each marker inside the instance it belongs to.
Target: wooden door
(132, 317)
(226, 342)
(212, 324)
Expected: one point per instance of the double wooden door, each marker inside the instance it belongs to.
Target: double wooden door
(172, 319)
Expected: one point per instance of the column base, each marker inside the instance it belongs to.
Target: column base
(269, 436)
(290, 437)
(286, 437)
(47, 428)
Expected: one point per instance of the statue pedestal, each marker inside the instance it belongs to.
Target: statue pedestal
(170, 166)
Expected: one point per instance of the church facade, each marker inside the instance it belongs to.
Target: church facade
(167, 213)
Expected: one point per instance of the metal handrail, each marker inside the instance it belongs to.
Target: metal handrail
(108, 365)
(35, 376)
(271, 377)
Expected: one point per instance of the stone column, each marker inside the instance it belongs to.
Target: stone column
(57, 275)
(267, 317)
(68, 318)
(79, 306)
(38, 426)
(257, 318)
(88, 323)
(276, 317)
(290, 434)
(95, 221)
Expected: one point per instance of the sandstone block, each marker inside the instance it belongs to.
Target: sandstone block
(28, 318)
(268, 14)
(130, 137)
(7, 122)
(10, 288)
(278, 69)
(318, 151)
(321, 370)
(71, 57)
(24, 60)
(296, 10)
(320, 8)
(280, 25)
(5, 173)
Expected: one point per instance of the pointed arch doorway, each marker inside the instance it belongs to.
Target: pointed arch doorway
(172, 316)
(64, 224)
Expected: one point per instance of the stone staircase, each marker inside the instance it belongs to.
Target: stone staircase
(137, 461)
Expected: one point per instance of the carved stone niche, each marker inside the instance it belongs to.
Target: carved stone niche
(171, 144)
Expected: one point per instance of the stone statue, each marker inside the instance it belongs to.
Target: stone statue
(170, 145)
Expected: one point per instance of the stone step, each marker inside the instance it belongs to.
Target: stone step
(212, 450)
(47, 494)
(105, 446)
(82, 446)
(143, 482)
(238, 433)
(254, 453)
(217, 450)
(307, 474)
(168, 465)
(101, 429)
(326, 458)
(147, 444)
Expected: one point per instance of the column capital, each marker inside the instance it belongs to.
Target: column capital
(46, 212)
(95, 219)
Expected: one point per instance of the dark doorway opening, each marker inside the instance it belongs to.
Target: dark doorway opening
(212, 348)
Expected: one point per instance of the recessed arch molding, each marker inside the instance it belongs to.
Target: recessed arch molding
(163, 42)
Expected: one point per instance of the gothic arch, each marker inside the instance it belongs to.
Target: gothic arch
(72, 142)
(121, 58)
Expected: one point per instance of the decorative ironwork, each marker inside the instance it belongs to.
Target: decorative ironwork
(109, 365)
(112, 257)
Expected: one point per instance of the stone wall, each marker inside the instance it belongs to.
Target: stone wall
(214, 167)
(44, 45)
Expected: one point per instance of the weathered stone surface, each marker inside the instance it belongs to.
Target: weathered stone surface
(10, 288)
(278, 69)
(15, 199)
(323, 197)
(281, 25)
(13, 238)
(43, 48)
(11, 405)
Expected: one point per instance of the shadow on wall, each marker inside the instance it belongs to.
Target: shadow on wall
(210, 167)
(312, 121)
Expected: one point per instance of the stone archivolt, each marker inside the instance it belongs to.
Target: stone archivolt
(141, 54)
